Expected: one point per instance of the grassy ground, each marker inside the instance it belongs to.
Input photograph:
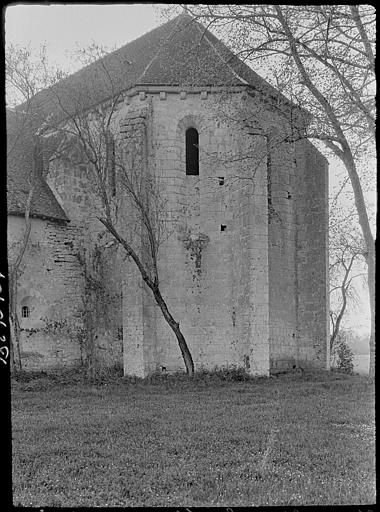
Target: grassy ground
(281, 441)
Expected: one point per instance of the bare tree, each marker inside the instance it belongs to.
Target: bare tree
(343, 272)
(25, 76)
(323, 58)
(346, 262)
(89, 132)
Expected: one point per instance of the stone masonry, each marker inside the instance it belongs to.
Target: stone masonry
(235, 271)
(243, 265)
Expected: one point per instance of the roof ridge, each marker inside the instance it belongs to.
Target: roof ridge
(204, 34)
(161, 48)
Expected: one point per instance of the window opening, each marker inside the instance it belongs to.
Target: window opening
(192, 152)
(223, 227)
(221, 180)
(25, 313)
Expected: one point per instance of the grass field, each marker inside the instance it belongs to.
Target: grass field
(281, 441)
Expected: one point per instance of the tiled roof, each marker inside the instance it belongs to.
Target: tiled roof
(21, 173)
(180, 52)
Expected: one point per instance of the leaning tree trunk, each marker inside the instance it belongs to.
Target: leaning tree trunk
(153, 285)
(176, 329)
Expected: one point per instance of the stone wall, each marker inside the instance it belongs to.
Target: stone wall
(139, 346)
(75, 190)
(242, 262)
(214, 278)
(53, 279)
(312, 256)
(50, 285)
(282, 254)
(233, 289)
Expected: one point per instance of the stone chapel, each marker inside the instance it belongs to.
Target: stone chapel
(243, 266)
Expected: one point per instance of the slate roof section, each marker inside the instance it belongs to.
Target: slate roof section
(180, 52)
(21, 173)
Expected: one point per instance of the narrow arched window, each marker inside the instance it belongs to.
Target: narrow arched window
(25, 312)
(192, 152)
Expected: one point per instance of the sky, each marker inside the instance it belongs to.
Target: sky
(64, 28)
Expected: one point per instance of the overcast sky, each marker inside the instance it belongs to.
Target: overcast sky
(64, 28)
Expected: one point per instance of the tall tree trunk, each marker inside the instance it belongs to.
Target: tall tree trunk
(345, 154)
(91, 355)
(15, 348)
(372, 341)
(350, 165)
(15, 351)
(16, 360)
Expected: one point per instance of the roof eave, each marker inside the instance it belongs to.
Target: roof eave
(271, 99)
(39, 216)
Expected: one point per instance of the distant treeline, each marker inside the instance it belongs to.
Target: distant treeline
(359, 344)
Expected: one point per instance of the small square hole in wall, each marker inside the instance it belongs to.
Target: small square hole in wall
(223, 227)
(221, 180)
